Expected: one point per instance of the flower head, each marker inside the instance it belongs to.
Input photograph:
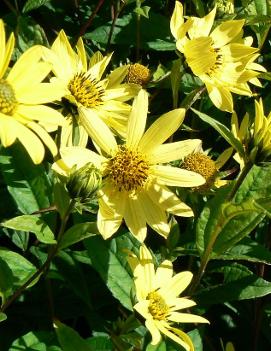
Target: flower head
(138, 74)
(219, 57)
(134, 178)
(22, 95)
(158, 301)
(84, 87)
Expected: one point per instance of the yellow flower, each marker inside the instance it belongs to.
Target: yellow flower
(22, 96)
(255, 136)
(201, 163)
(157, 293)
(220, 58)
(84, 87)
(135, 181)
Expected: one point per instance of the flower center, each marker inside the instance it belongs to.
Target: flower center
(202, 164)
(86, 91)
(128, 169)
(202, 57)
(138, 74)
(8, 100)
(157, 306)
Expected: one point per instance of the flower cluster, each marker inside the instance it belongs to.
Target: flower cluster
(95, 125)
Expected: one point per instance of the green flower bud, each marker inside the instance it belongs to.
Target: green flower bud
(224, 6)
(84, 182)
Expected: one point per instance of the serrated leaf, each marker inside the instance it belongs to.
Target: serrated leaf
(32, 224)
(69, 339)
(27, 183)
(34, 4)
(109, 259)
(61, 197)
(77, 233)
(240, 284)
(222, 130)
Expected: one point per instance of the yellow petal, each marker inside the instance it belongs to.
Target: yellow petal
(166, 199)
(31, 143)
(174, 151)
(156, 336)
(41, 93)
(202, 26)
(154, 214)
(135, 219)
(117, 76)
(7, 130)
(186, 318)
(179, 337)
(137, 120)
(66, 60)
(180, 303)
(108, 221)
(22, 72)
(163, 274)
(177, 19)
(96, 71)
(76, 155)
(221, 97)
(44, 136)
(177, 285)
(123, 92)
(82, 53)
(98, 130)
(40, 113)
(147, 278)
(161, 130)
(5, 51)
(226, 32)
(173, 176)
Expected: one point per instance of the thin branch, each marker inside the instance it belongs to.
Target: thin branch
(84, 28)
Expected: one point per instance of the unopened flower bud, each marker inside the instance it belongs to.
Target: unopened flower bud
(138, 74)
(224, 6)
(84, 183)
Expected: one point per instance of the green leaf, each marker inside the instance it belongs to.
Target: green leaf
(175, 78)
(61, 197)
(69, 339)
(226, 223)
(239, 284)
(6, 280)
(247, 250)
(257, 185)
(32, 224)
(159, 347)
(35, 341)
(142, 11)
(3, 317)
(100, 343)
(72, 273)
(77, 233)
(109, 259)
(196, 339)
(20, 267)
(27, 183)
(34, 4)
(222, 130)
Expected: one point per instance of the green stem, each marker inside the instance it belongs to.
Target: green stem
(208, 251)
(45, 266)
